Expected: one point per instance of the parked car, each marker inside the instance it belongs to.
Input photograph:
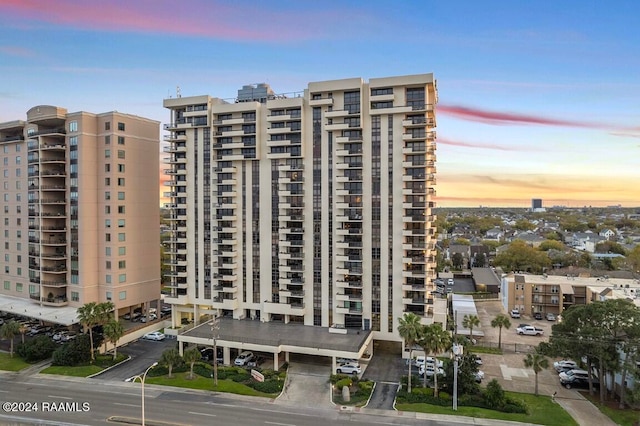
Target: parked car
(349, 369)
(564, 365)
(206, 354)
(430, 370)
(256, 361)
(551, 317)
(537, 315)
(422, 360)
(126, 316)
(154, 335)
(478, 360)
(514, 313)
(450, 282)
(479, 376)
(151, 317)
(341, 361)
(576, 379)
(530, 330)
(243, 358)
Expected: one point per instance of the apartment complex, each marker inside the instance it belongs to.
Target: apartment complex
(312, 208)
(80, 212)
(553, 294)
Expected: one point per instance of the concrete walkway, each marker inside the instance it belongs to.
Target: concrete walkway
(307, 385)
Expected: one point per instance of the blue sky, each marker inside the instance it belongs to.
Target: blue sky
(537, 99)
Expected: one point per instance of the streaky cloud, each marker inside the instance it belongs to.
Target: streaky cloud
(445, 141)
(17, 51)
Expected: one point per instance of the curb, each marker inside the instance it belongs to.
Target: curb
(109, 368)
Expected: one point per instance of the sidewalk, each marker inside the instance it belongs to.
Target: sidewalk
(583, 411)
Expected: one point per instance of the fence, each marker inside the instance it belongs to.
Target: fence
(507, 347)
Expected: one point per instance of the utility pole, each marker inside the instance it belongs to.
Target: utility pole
(215, 334)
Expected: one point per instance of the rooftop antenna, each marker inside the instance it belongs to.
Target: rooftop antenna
(178, 93)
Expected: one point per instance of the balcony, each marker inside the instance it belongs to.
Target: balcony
(51, 301)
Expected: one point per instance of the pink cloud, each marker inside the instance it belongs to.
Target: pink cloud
(207, 19)
(478, 145)
(17, 51)
(507, 118)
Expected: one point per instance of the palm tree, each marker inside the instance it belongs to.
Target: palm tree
(500, 321)
(88, 317)
(538, 362)
(470, 321)
(113, 331)
(170, 357)
(409, 330)
(23, 330)
(8, 331)
(434, 340)
(190, 356)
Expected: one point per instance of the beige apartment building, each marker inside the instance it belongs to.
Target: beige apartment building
(80, 212)
(553, 294)
(311, 209)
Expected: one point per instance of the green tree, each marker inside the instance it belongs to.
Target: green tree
(191, 356)
(457, 259)
(480, 260)
(633, 259)
(170, 358)
(88, 317)
(519, 256)
(9, 330)
(610, 247)
(551, 244)
(500, 321)
(537, 362)
(470, 322)
(434, 340)
(113, 331)
(524, 225)
(409, 329)
(23, 330)
(494, 395)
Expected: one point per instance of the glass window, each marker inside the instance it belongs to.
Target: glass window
(19, 287)
(75, 296)
(122, 264)
(122, 251)
(108, 295)
(121, 168)
(107, 251)
(122, 295)
(107, 279)
(120, 153)
(107, 153)
(107, 139)
(122, 278)
(107, 264)
(121, 237)
(120, 223)
(120, 195)
(121, 127)
(107, 125)
(73, 126)
(120, 140)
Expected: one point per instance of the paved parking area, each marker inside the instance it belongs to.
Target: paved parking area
(143, 353)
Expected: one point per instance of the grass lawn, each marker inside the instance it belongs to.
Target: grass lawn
(626, 417)
(101, 362)
(204, 383)
(485, 350)
(12, 364)
(541, 411)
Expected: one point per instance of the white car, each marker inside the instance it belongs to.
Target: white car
(564, 365)
(346, 361)
(349, 369)
(243, 358)
(422, 360)
(515, 313)
(151, 316)
(430, 370)
(154, 335)
(450, 281)
(479, 376)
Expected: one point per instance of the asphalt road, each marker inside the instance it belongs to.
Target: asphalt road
(143, 353)
(95, 404)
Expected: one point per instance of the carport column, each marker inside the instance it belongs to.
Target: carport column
(226, 356)
(181, 348)
(276, 363)
(286, 357)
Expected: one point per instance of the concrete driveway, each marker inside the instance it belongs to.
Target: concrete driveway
(143, 353)
(307, 384)
(385, 368)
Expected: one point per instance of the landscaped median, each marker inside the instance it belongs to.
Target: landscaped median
(15, 363)
(101, 362)
(540, 410)
(236, 380)
(359, 390)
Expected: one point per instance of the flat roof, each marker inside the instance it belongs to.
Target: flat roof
(461, 305)
(65, 315)
(278, 334)
(485, 276)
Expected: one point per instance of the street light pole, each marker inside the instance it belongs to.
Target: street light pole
(215, 333)
(457, 353)
(142, 379)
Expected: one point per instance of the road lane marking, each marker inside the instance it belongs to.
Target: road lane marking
(126, 405)
(60, 397)
(202, 414)
(280, 424)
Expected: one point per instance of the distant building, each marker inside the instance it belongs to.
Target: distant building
(536, 205)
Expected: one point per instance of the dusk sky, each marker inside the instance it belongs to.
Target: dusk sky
(538, 99)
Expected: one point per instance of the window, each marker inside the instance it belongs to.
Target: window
(32, 289)
(107, 279)
(122, 278)
(122, 264)
(121, 195)
(107, 209)
(120, 168)
(107, 140)
(107, 195)
(107, 264)
(108, 295)
(107, 153)
(107, 237)
(121, 237)
(73, 126)
(121, 209)
(120, 140)
(75, 296)
(122, 251)
(107, 125)
(107, 223)
(107, 181)
(121, 127)
(120, 223)
(73, 141)
(121, 153)
(19, 287)
(122, 295)
(120, 181)
(107, 251)
(107, 168)
(7, 285)
(6, 257)
(18, 160)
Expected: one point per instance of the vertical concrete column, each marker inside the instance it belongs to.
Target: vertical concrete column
(276, 363)
(226, 356)
(181, 348)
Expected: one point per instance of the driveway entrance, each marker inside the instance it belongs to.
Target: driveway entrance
(307, 382)
(386, 367)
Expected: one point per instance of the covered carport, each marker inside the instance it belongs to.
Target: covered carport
(279, 339)
(461, 305)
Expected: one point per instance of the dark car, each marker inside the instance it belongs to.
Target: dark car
(537, 315)
(577, 379)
